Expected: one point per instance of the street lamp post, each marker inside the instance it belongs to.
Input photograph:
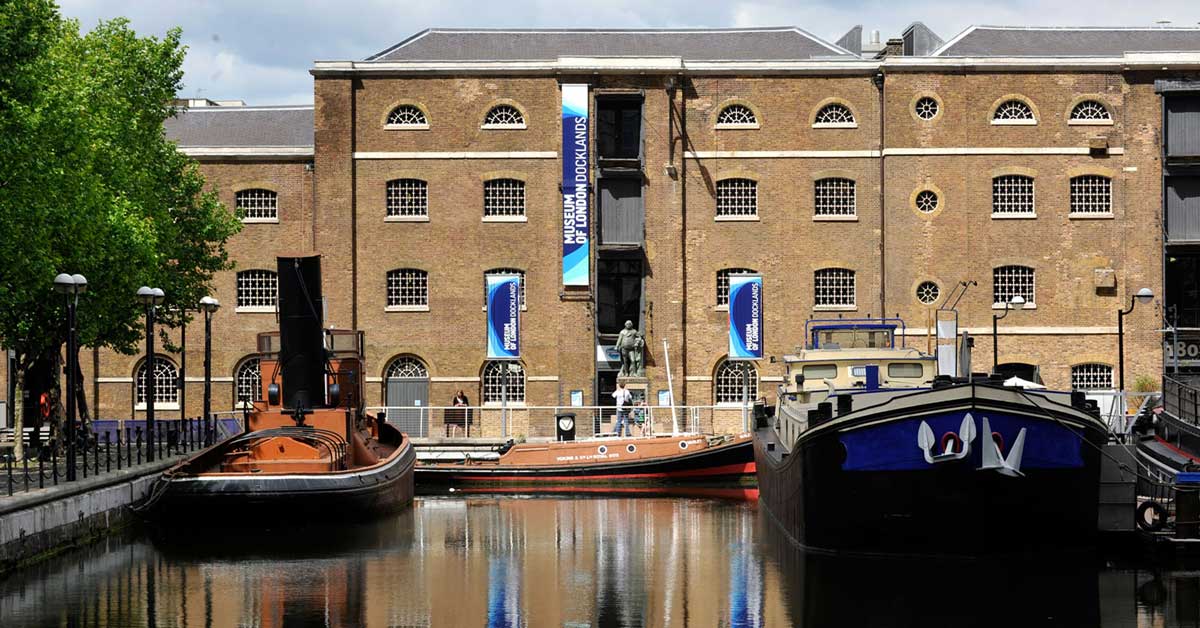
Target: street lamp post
(1016, 303)
(1145, 295)
(150, 297)
(208, 305)
(72, 286)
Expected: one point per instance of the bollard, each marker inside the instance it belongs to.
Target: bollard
(1187, 505)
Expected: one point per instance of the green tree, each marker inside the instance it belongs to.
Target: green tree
(90, 184)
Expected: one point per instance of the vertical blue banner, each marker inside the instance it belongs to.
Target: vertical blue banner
(745, 317)
(503, 317)
(576, 173)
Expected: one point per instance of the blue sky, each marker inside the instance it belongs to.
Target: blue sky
(260, 50)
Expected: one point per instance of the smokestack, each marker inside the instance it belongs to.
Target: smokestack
(301, 338)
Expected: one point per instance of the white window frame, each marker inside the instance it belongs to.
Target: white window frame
(1030, 121)
(505, 271)
(492, 126)
(728, 386)
(522, 217)
(731, 186)
(753, 124)
(255, 309)
(1078, 372)
(160, 362)
(723, 274)
(416, 126)
(1008, 215)
(1090, 214)
(262, 220)
(484, 384)
(830, 274)
(399, 273)
(238, 373)
(1030, 300)
(835, 181)
(408, 361)
(1073, 121)
(852, 124)
(389, 217)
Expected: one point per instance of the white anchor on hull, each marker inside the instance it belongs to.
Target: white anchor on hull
(993, 458)
(928, 442)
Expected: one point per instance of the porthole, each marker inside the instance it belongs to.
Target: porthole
(602, 450)
(928, 292)
(631, 448)
(926, 108)
(927, 201)
(683, 444)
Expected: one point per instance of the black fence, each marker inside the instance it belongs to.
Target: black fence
(1181, 400)
(105, 452)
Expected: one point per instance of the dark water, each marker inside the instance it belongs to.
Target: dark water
(568, 561)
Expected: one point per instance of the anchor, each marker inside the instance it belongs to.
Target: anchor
(993, 458)
(927, 442)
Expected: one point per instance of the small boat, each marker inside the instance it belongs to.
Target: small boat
(870, 452)
(309, 451)
(674, 459)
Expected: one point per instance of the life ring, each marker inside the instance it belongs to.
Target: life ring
(998, 438)
(1160, 516)
(949, 437)
(44, 405)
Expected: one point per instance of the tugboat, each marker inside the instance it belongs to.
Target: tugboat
(870, 452)
(309, 451)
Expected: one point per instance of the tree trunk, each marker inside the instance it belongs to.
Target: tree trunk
(19, 415)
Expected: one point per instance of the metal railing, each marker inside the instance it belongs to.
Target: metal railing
(1181, 400)
(104, 447)
(516, 421)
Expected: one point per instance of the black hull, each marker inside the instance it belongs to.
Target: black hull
(952, 508)
(725, 463)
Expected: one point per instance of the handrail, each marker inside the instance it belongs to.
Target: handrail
(1181, 400)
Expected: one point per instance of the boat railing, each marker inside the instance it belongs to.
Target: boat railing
(1181, 400)
(541, 422)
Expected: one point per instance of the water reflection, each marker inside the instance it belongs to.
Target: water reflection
(489, 560)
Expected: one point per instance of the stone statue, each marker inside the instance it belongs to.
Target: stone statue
(626, 343)
(637, 356)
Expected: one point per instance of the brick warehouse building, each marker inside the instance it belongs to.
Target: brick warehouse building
(858, 182)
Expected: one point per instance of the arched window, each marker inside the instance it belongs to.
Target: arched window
(1013, 111)
(1091, 376)
(723, 283)
(1011, 281)
(408, 288)
(407, 197)
(834, 115)
(834, 196)
(1090, 111)
(735, 382)
(1013, 195)
(494, 387)
(407, 116)
(736, 116)
(504, 197)
(247, 381)
(504, 271)
(257, 289)
(737, 197)
(257, 205)
(1091, 194)
(406, 367)
(504, 116)
(166, 382)
(834, 287)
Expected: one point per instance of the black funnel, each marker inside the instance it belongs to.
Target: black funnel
(301, 339)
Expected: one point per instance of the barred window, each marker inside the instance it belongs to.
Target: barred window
(928, 292)
(723, 283)
(257, 204)
(504, 197)
(1014, 109)
(927, 201)
(834, 197)
(505, 271)
(926, 108)
(257, 289)
(834, 287)
(834, 113)
(736, 382)
(1090, 111)
(736, 115)
(166, 381)
(504, 116)
(407, 197)
(1012, 195)
(737, 197)
(493, 382)
(407, 115)
(406, 366)
(407, 287)
(248, 382)
(1091, 377)
(1011, 281)
(1091, 194)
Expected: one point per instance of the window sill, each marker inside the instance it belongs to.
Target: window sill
(505, 219)
(158, 405)
(406, 308)
(1096, 216)
(1014, 216)
(1089, 122)
(722, 308)
(406, 219)
(736, 127)
(406, 127)
(254, 309)
(1014, 122)
(733, 405)
(835, 125)
(495, 405)
(1029, 305)
(747, 218)
(835, 218)
(503, 127)
(835, 308)
(260, 221)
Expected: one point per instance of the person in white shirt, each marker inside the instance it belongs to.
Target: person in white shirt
(623, 398)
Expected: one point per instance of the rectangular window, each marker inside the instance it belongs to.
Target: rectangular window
(407, 197)
(816, 372)
(835, 197)
(257, 205)
(618, 293)
(737, 197)
(619, 128)
(408, 288)
(257, 289)
(906, 370)
(1012, 195)
(1091, 377)
(1012, 281)
(1091, 194)
(504, 197)
(834, 287)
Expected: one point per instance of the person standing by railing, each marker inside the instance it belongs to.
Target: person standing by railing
(622, 397)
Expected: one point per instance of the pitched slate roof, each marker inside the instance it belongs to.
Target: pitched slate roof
(708, 44)
(1032, 41)
(242, 127)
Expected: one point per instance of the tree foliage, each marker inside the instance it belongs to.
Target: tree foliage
(90, 184)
